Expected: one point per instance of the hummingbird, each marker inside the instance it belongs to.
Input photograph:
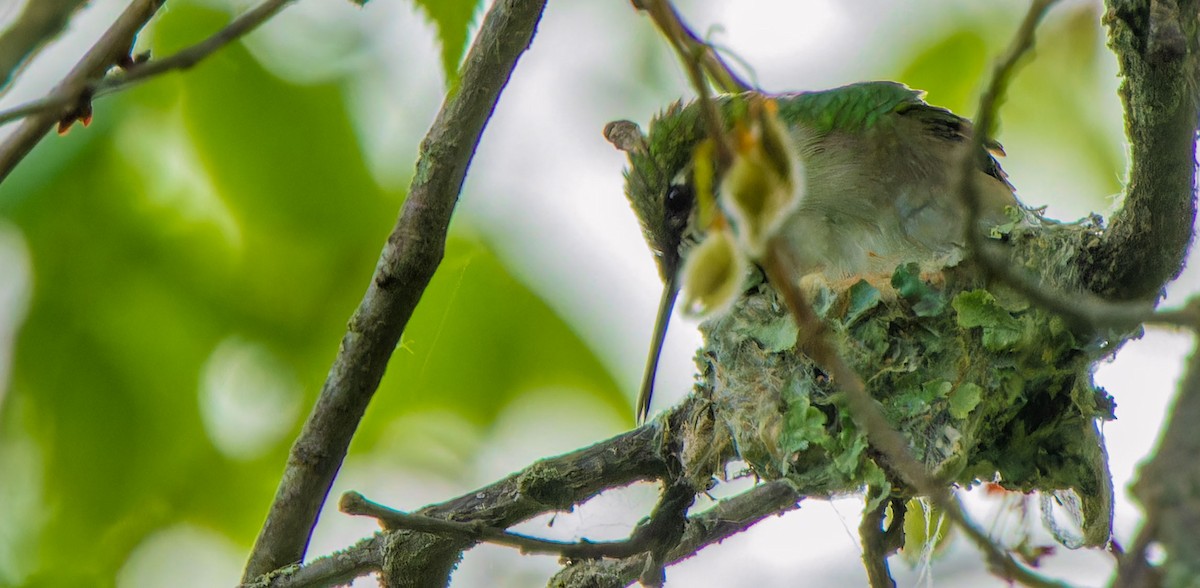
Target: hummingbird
(877, 186)
(986, 386)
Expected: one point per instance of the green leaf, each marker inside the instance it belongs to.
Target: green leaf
(978, 308)
(964, 399)
(925, 300)
(863, 297)
(918, 400)
(926, 531)
(848, 460)
(775, 335)
(453, 19)
(805, 425)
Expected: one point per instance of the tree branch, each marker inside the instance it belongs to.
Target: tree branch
(353, 503)
(878, 543)
(112, 48)
(1159, 53)
(409, 258)
(1167, 488)
(727, 518)
(39, 22)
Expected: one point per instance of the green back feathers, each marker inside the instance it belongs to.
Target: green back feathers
(675, 131)
(852, 108)
(868, 105)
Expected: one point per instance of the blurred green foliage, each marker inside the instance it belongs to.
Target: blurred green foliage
(221, 203)
(1057, 106)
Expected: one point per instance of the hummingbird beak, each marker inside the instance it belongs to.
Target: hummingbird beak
(665, 305)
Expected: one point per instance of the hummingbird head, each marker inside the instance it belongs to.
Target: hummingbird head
(672, 178)
(659, 187)
(658, 182)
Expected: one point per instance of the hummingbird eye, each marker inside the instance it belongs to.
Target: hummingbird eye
(678, 202)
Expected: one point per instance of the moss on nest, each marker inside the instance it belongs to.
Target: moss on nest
(984, 386)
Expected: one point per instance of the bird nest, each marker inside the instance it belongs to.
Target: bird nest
(985, 386)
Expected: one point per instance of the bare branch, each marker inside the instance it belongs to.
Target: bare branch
(877, 543)
(336, 569)
(112, 48)
(1166, 487)
(189, 57)
(412, 253)
(134, 73)
(692, 51)
(39, 22)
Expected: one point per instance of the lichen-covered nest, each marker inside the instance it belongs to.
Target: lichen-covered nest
(985, 386)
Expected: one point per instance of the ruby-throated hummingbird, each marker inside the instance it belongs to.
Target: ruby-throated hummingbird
(857, 194)
(876, 173)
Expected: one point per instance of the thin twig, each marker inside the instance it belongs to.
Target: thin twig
(1083, 310)
(354, 503)
(644, 538)
(693, 53)
(729, 517)
(62, 98)
(412, 253)
(112, 48)
(190, 56)
(55, 101)
(38, 23)
(690, 48)
(985, 119)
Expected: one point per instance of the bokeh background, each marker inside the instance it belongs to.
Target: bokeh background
(175, 278)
